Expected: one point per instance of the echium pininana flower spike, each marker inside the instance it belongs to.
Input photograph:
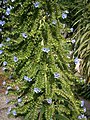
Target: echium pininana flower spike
(36, 4)
(45, 50)
(37, 90)
(15, 59)
(24, 35)
(56, 75)
(64, 15)
(49, 101)
(1, 51)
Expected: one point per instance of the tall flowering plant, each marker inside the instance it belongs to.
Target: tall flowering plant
(34, 54)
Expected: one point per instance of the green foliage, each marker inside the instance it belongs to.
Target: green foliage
(81, 24)
(37, 51)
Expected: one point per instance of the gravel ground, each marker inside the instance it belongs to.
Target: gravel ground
(3, 109)
(3, 105)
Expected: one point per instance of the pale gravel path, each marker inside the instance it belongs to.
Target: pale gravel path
(3, 109)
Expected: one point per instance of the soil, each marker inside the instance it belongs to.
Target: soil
(3, 98)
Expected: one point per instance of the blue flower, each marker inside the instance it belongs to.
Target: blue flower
(45, 50)
(4, 68)
(76, 60)
(27, 78)
(14, 112)
(4, 1)
(9, 87)
(66, 11)
(4, 63)
(19, 100)
(17, 88)
(7, 101)
(9, 110)
(82, 103)
(4, 83)
(2, 22)
(8, 11)
(84, 109)
(12, 0)
(0, 30)
(24, 35)
(56, 75)
(73, 41)
(36, 5)
(10, 77)
(37, 90)
(8, 39)
(6, 92)
(15, 59)
(71, 29)
(1, 45)
(1, 51)
(64, 15)
(54, 22)
(49, 101)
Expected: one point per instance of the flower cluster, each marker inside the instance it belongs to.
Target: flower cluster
(24, 35)
(36, 4)
(54, 22)
(73, 41)
(4, 63)
(64, 15)
(37, 90)
(14, 112)
(76, 60)
(1, 45)
(8, 39)
(27, 78)
(49, 101)
(56, 75)
(4, 82)
(46, 50)
(15, 59)
(1, 51)
(19, 100)
(2, 22)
